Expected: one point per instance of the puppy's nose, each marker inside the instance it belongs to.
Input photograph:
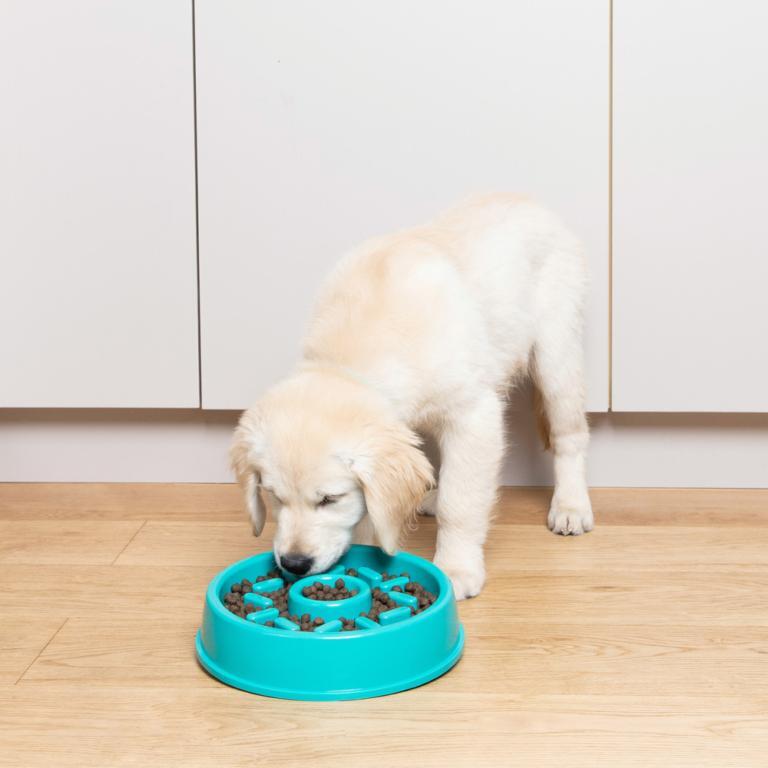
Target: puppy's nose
(296, 563)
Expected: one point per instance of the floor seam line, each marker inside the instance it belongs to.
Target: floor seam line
(42, 651)
(129, 542)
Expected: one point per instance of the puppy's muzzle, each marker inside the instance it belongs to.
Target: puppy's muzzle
(296, 563)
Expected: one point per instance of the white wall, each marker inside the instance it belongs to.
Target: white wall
(98, 274)
(689, 206)
(312, 139)
(662, 450)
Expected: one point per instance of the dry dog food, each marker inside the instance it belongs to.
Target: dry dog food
(336, 591)
(233, 600)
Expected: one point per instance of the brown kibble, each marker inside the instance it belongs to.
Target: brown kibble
(381, 601)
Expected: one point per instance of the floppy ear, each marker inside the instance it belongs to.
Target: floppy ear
(242, 456)
(395, 475)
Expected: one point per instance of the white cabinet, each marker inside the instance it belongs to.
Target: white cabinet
(320, 124)
(97, 202)
(690, 256)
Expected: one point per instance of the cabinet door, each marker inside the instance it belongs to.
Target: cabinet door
(320, 124)
(97, 199)
(690, 259)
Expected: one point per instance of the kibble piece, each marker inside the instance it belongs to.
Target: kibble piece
(318, 621)
(235, 588)
(339, 583)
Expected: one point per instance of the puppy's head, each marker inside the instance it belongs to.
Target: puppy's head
(323, 451)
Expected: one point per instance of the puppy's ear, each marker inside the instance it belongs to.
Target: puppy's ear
(244, 455)
(394, 475)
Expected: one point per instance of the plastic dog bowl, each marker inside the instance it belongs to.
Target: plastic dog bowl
(400, 651)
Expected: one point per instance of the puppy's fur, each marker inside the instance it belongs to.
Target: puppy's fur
(424, 331)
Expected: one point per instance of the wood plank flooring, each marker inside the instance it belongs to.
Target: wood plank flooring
(643, 643)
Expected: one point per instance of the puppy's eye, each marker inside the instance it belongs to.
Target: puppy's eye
(327, 501)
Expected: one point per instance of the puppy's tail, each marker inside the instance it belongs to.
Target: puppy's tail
(542, 420)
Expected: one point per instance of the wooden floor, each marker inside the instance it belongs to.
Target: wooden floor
(644, 643)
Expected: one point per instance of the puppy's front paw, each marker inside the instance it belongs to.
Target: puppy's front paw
(466, 575)
(569, 518)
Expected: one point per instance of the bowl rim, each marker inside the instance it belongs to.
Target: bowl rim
(445, 595)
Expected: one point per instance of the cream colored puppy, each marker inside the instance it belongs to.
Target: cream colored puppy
(424, 331)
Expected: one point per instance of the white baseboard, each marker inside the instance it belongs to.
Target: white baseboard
(643, 450)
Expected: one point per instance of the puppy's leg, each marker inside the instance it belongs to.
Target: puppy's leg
(558, 373)
(472, 447)
(428, 504)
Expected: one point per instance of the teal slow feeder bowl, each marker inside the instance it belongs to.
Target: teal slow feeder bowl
(398, 652)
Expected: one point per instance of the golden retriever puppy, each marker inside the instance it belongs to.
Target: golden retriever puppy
(423, 332)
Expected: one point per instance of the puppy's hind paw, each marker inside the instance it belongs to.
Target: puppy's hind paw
(570, 519)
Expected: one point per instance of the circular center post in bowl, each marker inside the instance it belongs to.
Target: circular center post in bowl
(328, 610)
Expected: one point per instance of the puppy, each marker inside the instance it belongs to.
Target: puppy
(423, 332)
